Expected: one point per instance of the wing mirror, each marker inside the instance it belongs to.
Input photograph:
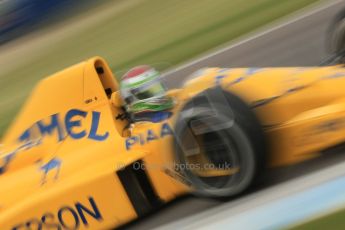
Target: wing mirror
(116, 99)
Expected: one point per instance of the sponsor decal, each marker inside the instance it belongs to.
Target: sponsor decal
(330, 126)
(266, 101)
(150, 135)
(52, 125)
(223, 73)
(71, 125)
(219, 79)
(53, 165)
(7, 158)
(320, 132)
(74, 217)
(249, 73)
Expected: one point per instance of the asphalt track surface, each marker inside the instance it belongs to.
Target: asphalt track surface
(298, 40)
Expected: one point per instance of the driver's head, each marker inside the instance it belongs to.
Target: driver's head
(143, 91)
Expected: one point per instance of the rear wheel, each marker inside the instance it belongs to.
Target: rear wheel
(219, 145)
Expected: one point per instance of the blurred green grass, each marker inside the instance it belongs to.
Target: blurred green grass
(156, 32)
(334, 221)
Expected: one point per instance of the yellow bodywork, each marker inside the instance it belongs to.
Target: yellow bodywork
(62, 158)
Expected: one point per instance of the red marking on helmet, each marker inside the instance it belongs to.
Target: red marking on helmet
(134, 72)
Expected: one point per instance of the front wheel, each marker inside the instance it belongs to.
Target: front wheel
(219, 144)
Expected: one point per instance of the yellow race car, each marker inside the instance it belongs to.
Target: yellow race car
(72, 159)
(69, 162)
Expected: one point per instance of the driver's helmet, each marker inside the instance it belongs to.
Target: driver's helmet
(143, 91)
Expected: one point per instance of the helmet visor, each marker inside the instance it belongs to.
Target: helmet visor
(153, 89)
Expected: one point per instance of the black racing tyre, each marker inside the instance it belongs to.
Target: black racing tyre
(336, 34)
(217, 129)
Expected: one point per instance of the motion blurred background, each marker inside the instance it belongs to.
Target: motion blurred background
(40, 37)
